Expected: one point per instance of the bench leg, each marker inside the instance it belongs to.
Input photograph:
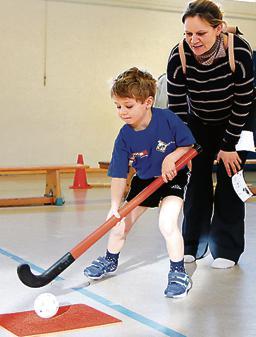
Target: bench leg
(52, 187)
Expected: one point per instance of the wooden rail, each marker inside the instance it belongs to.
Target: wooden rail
(105, 165)
(248, 162)
(41, 170)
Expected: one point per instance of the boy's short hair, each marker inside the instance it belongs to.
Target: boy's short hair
(134, 83)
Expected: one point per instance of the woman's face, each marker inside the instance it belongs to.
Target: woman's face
(200, 35)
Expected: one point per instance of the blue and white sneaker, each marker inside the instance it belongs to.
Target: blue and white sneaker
(178, 284)
(100, 267)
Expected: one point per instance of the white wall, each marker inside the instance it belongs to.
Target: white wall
(86, 45)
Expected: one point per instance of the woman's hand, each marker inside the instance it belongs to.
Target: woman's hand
(231, 161)
(168, 168)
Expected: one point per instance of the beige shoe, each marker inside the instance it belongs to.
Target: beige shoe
(221, 263)
(189, 258)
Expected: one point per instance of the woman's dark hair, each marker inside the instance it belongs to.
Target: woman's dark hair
(207, 10)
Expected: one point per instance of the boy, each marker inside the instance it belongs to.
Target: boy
(151, 140)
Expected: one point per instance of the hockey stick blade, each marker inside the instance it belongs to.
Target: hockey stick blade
(37, 281)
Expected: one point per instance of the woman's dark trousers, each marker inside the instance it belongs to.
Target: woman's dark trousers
(214, 218)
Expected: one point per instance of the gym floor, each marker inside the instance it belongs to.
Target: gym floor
(221, 303)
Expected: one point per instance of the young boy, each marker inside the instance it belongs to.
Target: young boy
(151, 140)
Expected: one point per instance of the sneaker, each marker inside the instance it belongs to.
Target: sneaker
(191, 258)
(221, 263)
(178, 285)
(100, 267)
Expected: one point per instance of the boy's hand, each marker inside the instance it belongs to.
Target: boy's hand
(113, 211)
(168, 169)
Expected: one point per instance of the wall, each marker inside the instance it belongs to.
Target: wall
(78, 46)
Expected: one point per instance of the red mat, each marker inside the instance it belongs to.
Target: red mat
(69, 317)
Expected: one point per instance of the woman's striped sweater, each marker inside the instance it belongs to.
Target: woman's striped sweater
(213, 93)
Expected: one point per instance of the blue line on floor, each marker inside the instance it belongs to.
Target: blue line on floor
(129, 313)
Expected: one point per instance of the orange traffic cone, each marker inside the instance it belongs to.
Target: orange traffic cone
(80, 180)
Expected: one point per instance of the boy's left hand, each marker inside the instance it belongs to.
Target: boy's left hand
(114, 212)
(168, 169)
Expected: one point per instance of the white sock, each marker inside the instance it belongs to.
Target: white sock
(189, 258)
(221, 263)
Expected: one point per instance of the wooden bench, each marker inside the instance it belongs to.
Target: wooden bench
(52, 194)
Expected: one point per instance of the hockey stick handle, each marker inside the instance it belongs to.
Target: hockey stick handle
(128, 207)
(36, 281)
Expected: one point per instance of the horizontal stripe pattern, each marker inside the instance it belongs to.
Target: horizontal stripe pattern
(213, 93)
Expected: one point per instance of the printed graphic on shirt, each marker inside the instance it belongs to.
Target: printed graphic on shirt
(162, 146)
(141, 154)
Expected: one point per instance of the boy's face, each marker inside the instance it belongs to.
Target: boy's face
(132, 112)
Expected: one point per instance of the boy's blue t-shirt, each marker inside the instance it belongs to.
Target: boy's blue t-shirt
(146, 149)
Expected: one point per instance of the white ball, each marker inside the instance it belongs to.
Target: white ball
(46, 305)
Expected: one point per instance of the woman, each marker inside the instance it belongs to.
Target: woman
(215, 102)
